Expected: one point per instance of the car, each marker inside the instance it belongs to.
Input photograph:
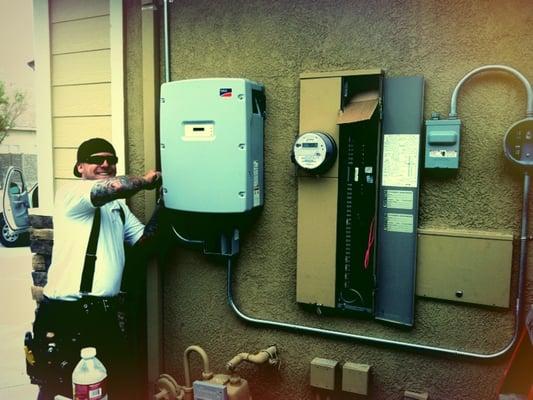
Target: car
(14, 218)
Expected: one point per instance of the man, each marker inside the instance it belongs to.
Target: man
(79, 307)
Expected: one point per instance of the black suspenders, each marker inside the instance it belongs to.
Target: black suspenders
(87, 275)
(90, 255)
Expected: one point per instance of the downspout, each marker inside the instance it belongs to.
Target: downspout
(166, 39)
(151, 81)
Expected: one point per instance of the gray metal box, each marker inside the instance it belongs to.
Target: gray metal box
(212, 145)
(442, 143)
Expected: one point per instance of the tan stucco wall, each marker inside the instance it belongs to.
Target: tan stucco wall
(273, 42)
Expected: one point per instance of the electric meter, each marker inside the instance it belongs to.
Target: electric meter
(315, 152)
(518, 143)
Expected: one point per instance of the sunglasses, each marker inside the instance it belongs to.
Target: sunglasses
(99, 160)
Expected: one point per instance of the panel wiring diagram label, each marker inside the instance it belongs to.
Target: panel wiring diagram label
(398, 223)
(400, 199)
(400, 160)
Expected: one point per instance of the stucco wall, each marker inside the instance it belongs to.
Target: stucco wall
(273, 42)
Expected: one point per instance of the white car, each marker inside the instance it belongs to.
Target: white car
(17, 199)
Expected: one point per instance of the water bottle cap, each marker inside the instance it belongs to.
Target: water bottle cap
(88, 352)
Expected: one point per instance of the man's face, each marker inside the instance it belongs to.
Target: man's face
(98, 166)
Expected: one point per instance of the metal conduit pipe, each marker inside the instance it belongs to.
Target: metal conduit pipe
(408, 345)
(522, 78)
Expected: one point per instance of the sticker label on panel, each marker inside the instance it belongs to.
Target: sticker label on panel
(226, 92)
(400, 160)
(256, 172)
(401, 199)
(443, 153)
(257, 197)
(398, 223)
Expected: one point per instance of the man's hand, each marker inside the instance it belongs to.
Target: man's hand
(152, 179)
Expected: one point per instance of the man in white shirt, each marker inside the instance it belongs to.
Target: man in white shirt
(79, 308)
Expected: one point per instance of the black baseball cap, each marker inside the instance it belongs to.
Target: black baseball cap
(90, 147)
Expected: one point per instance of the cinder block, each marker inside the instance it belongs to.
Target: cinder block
(323, 373)
(355, 378)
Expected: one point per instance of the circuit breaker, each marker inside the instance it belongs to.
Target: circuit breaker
(358, 197)
(212, 145)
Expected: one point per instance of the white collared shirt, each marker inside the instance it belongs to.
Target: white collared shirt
(73, 218)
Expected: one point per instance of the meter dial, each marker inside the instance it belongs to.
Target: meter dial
(314, 152)
(518, 143)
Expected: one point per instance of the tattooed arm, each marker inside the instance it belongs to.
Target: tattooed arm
(121, 187)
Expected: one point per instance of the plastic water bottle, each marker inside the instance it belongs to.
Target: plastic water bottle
(89, 377)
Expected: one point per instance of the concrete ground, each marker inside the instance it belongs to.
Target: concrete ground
(16, 315)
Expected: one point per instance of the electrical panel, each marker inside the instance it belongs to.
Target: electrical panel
(340, 218)
(212, 145)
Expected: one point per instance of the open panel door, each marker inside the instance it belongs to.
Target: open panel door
(15, 201)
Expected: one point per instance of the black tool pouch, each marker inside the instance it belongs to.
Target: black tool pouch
(52, 351)
(29, 351)
(50, 362)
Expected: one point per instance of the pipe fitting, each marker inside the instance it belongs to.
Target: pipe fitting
(269, 354)
(187, 367)
(168, 389)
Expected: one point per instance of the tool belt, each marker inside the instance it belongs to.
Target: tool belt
(60, 330)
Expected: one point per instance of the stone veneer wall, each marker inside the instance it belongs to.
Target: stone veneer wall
(41, 242)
